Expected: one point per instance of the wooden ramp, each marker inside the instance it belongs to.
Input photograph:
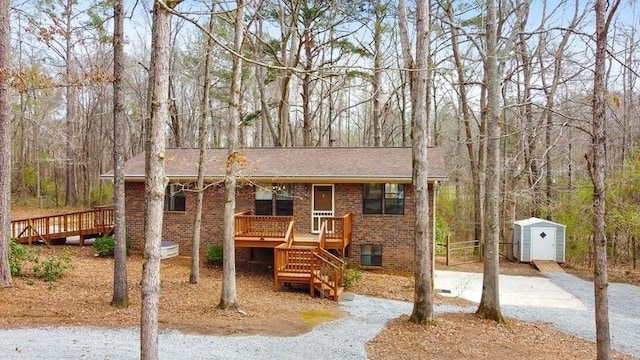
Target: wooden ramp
(61, 226)
(547, 266)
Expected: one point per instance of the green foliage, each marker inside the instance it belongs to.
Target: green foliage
(53, 268)
(102, 193)
(18, 255)
(105, 246)
(623, 200)
(249, 117)
(50, 269)
(351, 275)
(349, 47)
(575, 210)
(442, 233)
(356, 74)
(215, 254)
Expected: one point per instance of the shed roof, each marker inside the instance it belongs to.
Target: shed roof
(535, 220)
(297, 164)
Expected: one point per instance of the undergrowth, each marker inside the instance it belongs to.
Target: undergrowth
(49, 269)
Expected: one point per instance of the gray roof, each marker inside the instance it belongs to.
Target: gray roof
(535, 220)
(297, 164)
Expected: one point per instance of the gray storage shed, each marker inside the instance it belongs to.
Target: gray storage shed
(539, 239)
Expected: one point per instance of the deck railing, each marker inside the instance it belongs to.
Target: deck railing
(341, 231)
(96, 221)
(262, 225)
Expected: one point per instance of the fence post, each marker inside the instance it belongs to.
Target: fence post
(448, 247)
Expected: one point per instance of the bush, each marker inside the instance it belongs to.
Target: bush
(53, 268)
(105, 246)
(215, 254)
(351, 275)
(18, 254)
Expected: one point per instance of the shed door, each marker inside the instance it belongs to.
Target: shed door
(543, 243)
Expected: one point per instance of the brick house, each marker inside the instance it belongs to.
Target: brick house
(373, 185)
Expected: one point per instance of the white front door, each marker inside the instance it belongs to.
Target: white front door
(543, 244)
(322, 206)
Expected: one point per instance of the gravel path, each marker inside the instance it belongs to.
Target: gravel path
(342, 339)
(328, 341)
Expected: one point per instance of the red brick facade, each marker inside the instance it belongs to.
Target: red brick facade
(393, 232)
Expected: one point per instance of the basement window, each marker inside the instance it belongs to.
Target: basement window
(174, 198)
(370, 255)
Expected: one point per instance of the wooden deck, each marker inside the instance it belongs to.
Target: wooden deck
(49, 228)
(258, 231)
(300, 258)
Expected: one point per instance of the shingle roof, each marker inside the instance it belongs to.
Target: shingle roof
(297, 164)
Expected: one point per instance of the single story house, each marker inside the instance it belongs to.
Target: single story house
(366, 189)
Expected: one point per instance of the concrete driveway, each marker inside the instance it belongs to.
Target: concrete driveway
(561, 299)
(514, 290)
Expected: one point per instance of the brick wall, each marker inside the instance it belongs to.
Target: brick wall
(393, 232)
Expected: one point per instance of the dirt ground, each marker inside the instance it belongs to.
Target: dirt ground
(81, 298)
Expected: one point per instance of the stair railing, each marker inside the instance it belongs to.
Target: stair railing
(335, 262)
(328, 274)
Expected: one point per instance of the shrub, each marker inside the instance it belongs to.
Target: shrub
(18, 254)
(105, 246)
(351, 275)
(215, 254)
(53, 268)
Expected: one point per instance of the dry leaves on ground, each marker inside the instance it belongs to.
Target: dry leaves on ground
(82, 296)
(465, 336)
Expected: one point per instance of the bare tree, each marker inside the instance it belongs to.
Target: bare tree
(379, 10)
(120, 291)
(194, 278)
(228, 297)
(156, 180)
(419, 89)
(597, 169)
(5, 146)
(490, 302)
(475, 152)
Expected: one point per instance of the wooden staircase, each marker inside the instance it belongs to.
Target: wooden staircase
(309, 264)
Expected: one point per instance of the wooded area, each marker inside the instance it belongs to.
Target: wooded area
(328, 74)
(535, 106)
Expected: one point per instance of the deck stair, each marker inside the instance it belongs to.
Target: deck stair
(309, 263)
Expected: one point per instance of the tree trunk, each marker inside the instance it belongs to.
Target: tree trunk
(489, 307)
(155, 183)
(70, 193)
(476, 159)
(5, 147)
(377, 72)
(598, 175)
(194, 277)
(228, 297)
(423, 257)
(120, 291)
(306, 85)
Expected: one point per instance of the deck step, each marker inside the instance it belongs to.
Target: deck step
(327, 291)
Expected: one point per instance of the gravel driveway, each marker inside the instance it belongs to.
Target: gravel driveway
(342, 339)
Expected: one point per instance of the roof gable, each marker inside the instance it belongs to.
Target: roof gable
(293, 164)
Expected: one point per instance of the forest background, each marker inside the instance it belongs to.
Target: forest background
(324, 73)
